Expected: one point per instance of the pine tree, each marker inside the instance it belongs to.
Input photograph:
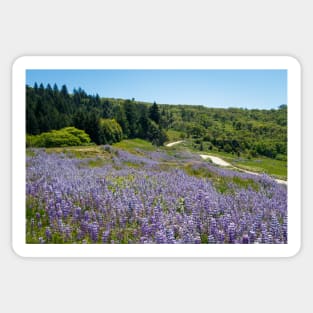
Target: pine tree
(154, 113)
(143, 124)
(64, 91)
(55, 88)
(131, 118)
(107, 109)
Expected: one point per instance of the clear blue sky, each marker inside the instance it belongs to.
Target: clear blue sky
(263, 89)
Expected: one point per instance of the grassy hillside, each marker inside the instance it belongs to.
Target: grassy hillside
(139, 147)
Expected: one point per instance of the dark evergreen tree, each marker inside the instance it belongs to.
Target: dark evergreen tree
(49, 89)
(55, 88)
(31, 123)
(154, 113)
(155, 134)
(119, 114)
(107, 109)
(79, 120)
(92, 126)
(64, 91)
(41, 90)
(131, 117)
(143, 125)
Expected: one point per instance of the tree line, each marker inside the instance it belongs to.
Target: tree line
(233, 130)
(105, 120)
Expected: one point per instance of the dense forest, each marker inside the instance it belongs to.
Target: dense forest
(104, 120)
(54, 110)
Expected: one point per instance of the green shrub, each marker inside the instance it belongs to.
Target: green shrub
(156, 134)
(83, 137)
(110, 131)
(281, 157)
(69, 136)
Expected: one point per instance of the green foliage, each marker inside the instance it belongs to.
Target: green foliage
(155, 134)
(277, 168)
(131, 118)
(98, 162)
(80, 134)
(154, 113)
(132, 145)
(109, 131)
(69, 136)
(238, 131)
(281, 157)
(195, 130)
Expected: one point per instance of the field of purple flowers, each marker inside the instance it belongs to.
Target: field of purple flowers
(148, 197)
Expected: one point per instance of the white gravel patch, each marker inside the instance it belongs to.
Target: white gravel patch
(215, 160)
(174, 143)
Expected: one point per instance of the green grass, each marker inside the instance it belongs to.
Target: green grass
(245, 183)
(131, 164)
(174, 135)
(222, 184)
(80, 152)
(98, 162)
(272, 167)
(97, 155)
(198, 172)
(30, 152)
(269, 166)
(132, 144)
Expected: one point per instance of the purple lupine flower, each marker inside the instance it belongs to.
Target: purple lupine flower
(160, 237)
(232, 232)
(94, 232)
(221, 236)
(48, 234)
(41, 240)
(86, 216)
(252, 236)
(245, 238)
(211, 239)
(197, 239)
(32, 223)
(105, 236)
(68, 232)
(149, 203)
(59, 213)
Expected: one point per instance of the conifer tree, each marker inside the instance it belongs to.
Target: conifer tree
(154, 113)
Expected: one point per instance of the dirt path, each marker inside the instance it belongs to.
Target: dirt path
(221, 162)
(215, 160)
(174, 143)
